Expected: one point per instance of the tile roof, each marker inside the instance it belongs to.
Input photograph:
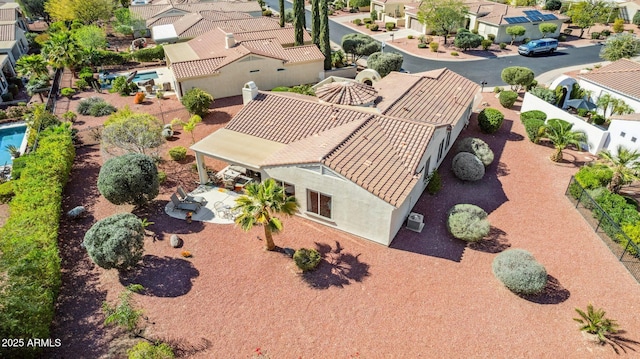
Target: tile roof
(494, 13)
(146, 12)
(347, 93)
(627, 117)
(150, 11)
(379, 152)
(8, 14)
(8, 32)
(438, 96)
(622, 76)
(165, 20)
(196, 68)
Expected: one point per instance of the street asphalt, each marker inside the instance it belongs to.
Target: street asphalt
(487, 70)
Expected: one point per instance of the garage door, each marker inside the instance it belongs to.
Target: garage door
(415, 25)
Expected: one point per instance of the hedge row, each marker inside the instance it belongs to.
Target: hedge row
(28, 241)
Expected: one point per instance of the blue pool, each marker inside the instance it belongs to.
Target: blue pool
(11, 135)
(145, 76)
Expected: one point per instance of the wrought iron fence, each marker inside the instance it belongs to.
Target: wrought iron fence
(53, 92)
(605, 227)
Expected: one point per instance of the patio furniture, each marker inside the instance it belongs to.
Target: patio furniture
(166, 86)
(223, 210)
(189, 198)
(184, 206)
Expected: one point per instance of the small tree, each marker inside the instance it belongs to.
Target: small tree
(189, 126)
(197, 101)
(385, 62)
(547, 28)
(132, 131)
(624, 165)
(515, 31)
(466, 40)
(620, 46)
(517, 77)
(359, 45)
(593, 321)
(130, 178)
(561, 134)
(443, 16)
(116, 242)
(618, 26)
(507, 98)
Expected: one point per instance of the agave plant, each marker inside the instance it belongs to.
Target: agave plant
(594, 322)
(13, 150)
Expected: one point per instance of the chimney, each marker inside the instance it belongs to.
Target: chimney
(249, 92)
(229, 41)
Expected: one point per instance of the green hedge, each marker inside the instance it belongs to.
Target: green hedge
(149, 54)
(28, 242)
(533, 128)
(535, 114)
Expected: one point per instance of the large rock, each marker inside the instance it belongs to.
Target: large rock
(175, 241)
(77, 212)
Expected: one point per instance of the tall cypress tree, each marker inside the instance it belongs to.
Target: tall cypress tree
(325, 42)
(298, 21)
(281, 6)
(315, 21)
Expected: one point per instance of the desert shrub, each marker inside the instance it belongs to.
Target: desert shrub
(307, 259)
(197, 101)
(385, 62)
(116, 242)
(434, 46)
(618, 26)
(454, 53)
(68, 92)
(598, 119)
(389, 26)
(367, 20)
(477, 147)
(534, 128)
(535, 114)
(357, 22)
(582, 112)
(517, 77)
(178, 153)
(101, 109)
(162, 177)
(409, 37)
(374, 27)
(491, 37)
(595, 35)
(593, 321)
(466, 40)
(497, 89)
(6, 191)
(467, 167)
(544, 94)
(486, 44)
(81, 84)
(422, 46)
(507, 98)
(636, 18)
(132, 131)
(121, 86)
(519, 271)
(435, 183)
(130, 178)
(468, 222)
(70, 116)
(490, 119)
(3, 115)
(30, 263)
(503, 46)
(146, 350)
(85, 104)
(139, 98)
(267, 13)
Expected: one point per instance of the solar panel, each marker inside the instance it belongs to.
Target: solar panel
(532, 12)
(549, 17)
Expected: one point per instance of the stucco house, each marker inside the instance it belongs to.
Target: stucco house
(390, 10)
(619, 79)
(221, 62)
(360, 168)
(13, 41)
(628, 9)
(192, 25)
(493, 18)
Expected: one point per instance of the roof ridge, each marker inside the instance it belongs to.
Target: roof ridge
(398, 98)
(365, 121)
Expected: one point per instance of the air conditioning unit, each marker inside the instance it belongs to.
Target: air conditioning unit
(415, 222)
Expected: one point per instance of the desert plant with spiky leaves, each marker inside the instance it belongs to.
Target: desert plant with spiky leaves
(593, 321)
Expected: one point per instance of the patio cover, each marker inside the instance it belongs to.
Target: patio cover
(239, 148)
(180, 52)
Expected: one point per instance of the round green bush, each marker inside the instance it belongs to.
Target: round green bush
(178, 153)
(146, 350)
(467, 167)
(116, 241)
(598, 119)
(503, 46)
(130, 178)
(197, 101)
(508, 98)
(477, 147)
(81, 84)
(307, 259)
(519, 271)
(535, 114)
(422, 45)
(534, 128)
(374, 27)
(490, 119)
(468, 222)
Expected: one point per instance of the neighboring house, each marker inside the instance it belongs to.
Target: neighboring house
(493, 18)
(620, 79)
(353, 168)
(628, 9)
(390, 10)
(220, 62)
(13, 28)
(194, 24)
(6, 72)
(172, 11)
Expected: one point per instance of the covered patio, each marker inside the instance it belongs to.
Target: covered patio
(217, 209)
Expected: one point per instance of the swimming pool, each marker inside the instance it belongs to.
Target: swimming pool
(13, 134)
(144, 76)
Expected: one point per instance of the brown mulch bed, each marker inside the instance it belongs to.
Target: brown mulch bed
(427, 296)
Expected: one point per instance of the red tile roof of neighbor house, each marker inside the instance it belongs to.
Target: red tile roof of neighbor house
(622, 76)
(8, 32)
(147, 12)
(347, 93)
(379, 152)
(195, 24)
(213, 55)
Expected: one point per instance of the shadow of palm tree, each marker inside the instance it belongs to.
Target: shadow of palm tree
(337, 269)
(495, 242)
(182, 348)
(162, 277)
(620, 343)
(553, 293)
(502, 170)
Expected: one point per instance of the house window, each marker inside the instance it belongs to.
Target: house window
(622, 134)
(280, 70)
(633, 139)
(441, 150)
(289, 189)
(254, 71)
(448, 137)
(319, 203)
(426, 174)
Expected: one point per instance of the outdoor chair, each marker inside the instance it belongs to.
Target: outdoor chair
(185, 206)
(222, 210)
(188, 198)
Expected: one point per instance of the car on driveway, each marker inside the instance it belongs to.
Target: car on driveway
(542, 46)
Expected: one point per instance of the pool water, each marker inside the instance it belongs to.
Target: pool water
(145, 76)
(14, 135)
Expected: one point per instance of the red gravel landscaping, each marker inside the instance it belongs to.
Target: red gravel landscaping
(428, 296)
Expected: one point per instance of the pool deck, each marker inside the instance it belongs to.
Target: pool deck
(165, 74)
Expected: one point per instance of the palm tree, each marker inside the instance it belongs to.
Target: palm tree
(624, 165)
(620, 107)
(559, 132)
(31, 66)
(281, 9)
(604, 101)
(61, 50)
(260, 203)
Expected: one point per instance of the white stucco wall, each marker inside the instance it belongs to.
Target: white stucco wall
(232, 77)
(532, 33)
(598, 91)
(625, 133)
(353, 209)
(596, 136)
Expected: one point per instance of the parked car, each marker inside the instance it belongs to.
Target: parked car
(542, 46)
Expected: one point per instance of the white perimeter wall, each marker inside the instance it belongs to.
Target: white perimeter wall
(598, 91)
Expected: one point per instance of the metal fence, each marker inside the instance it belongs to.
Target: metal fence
(606, 228)
(53, 92)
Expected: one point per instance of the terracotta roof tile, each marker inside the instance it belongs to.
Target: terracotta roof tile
(347, 93)
(621, 76)
(197, 68)
(8, 14)
(8, 32)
